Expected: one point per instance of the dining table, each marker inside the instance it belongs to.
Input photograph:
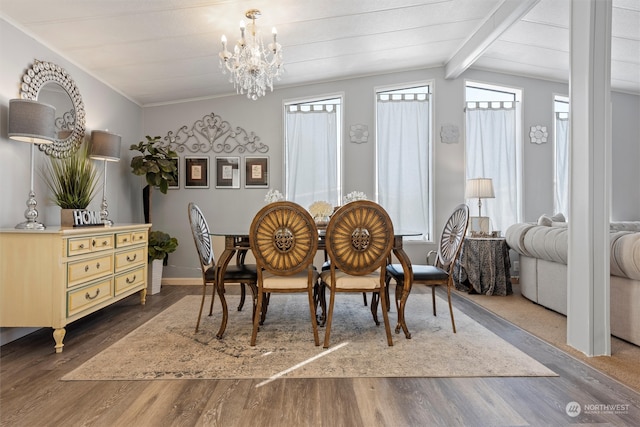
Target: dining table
(237, 243)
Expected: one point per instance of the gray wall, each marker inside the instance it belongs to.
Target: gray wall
(105, 109)
(233, 209)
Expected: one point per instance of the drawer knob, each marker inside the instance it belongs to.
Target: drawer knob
(93, 243)
(89, 297)
(133, 279)
(86, 268)
(81, 246)
(98, 265)
(129, 259)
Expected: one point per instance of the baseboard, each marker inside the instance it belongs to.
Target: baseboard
(184, 281)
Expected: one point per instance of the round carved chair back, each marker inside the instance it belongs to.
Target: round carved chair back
(200, 232)
(283, 238)
(359, 237)
(452, 234)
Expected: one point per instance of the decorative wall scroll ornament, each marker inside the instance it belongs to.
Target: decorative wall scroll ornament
(538, 134)
(449, 133)
(212, 134)
(60, 91)
(359, 133)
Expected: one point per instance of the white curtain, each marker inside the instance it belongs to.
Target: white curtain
(561, 178)
(312, 172)
(492, 153)
(403, 160)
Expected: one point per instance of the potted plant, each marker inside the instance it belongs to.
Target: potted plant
(72, 181)
(161, 244)
(157, 164)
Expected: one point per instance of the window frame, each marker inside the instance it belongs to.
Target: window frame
(429, 235)
(518, 96)
(316, 99)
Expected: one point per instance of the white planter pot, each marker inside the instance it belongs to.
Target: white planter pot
(154, 277)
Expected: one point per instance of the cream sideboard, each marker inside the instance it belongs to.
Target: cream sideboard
(52, 277)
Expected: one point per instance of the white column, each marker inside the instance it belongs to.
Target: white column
(588, 306)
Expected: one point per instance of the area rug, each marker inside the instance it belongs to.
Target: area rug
(166, 346)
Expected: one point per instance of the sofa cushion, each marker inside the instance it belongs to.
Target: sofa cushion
(548, 243)
(625, 254)
(515, 236)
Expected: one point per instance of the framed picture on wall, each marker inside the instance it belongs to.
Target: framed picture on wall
(256, 172)
(227, 172)
(174, 184)
(196, 172)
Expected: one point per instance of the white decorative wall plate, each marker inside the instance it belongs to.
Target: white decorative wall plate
(538, 134)
(359, 133)
(449, 133)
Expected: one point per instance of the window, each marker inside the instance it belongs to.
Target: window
(313, 130)
(493, 149)
(561, 155)
(403, 151)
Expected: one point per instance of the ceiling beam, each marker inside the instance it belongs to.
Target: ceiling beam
(505, 15)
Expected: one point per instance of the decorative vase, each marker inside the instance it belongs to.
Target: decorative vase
(321, 221)
(154, 277)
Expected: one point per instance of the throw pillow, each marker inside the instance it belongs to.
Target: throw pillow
(544, 220)
(558, 217)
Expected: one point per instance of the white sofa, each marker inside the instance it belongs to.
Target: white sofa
(542, 249)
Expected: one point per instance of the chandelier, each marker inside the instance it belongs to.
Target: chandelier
(251, 67)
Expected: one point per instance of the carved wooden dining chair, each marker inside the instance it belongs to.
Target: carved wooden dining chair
(359, 240)
(284, 240)
(244, 274)
(441, 273)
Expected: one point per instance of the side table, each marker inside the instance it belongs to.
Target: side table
(483, 266)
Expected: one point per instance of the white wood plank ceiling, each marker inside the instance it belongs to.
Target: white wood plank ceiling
(163, 51)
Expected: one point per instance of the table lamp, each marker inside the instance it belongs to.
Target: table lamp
(105, 146)
(480, 188)
(33, 122)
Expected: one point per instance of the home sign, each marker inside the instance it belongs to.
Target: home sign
(82, 217)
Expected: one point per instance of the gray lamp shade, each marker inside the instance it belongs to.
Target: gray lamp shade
(105, 146)
(31, 121)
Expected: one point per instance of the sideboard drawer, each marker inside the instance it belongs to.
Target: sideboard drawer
(82, 299)
(130, 238)
(89, 269)
(131, 258)
(139, 236)
(130, 279)
(84, 245)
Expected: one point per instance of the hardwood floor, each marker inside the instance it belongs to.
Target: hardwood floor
(31, 393)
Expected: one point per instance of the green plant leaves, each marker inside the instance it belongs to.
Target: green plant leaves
(72, 180)
(161, 244)
(155, 163)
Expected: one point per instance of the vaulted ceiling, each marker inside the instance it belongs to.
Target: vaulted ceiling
(163, 51)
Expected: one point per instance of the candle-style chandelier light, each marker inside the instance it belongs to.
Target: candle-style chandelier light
(252, 68)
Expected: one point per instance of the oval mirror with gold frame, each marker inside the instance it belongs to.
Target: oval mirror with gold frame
(51, 84)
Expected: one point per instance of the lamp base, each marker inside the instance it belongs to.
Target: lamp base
(479, 224)
(30, 225)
